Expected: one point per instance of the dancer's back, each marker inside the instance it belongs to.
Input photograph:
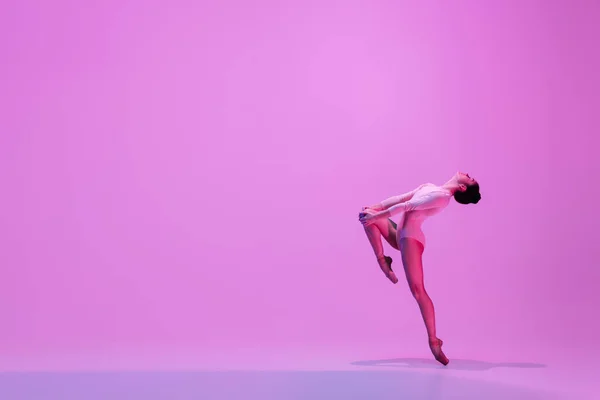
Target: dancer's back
(410, 222)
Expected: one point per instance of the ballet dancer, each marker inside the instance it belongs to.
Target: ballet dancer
(407, 237)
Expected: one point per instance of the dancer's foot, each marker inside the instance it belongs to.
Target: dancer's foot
(385, 263)
(436, 349)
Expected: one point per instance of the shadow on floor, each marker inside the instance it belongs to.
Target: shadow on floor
(456, 364)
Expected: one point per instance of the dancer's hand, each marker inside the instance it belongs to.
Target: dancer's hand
(367, 217)
(376, 207)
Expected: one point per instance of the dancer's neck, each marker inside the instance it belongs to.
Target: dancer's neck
(451, 186)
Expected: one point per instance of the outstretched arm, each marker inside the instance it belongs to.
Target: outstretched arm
(430, 200)
(391, 201)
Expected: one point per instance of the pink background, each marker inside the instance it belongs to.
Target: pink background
(179, 176)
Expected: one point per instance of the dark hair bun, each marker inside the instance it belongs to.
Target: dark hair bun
(469, 196)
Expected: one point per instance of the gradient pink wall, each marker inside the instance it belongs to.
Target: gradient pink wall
(188, 174)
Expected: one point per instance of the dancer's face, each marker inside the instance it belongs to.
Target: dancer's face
(464, 180)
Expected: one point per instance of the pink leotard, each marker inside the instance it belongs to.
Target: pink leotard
(415, 207)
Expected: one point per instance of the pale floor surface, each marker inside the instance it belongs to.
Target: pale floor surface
(306, 374)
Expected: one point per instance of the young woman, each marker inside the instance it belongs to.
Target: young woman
(414, 207)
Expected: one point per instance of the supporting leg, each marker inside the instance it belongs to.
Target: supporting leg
(412, 258)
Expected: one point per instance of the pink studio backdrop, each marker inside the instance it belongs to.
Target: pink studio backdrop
(185, 175)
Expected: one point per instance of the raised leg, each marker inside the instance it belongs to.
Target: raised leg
(385, 228)
(412, 259)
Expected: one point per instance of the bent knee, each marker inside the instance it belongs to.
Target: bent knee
(417, 290)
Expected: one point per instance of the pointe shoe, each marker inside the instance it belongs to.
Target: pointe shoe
(436, 349)
(387, 269)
